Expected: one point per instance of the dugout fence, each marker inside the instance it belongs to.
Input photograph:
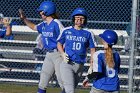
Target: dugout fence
(135, 46)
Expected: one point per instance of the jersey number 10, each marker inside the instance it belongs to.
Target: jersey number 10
(76, 46)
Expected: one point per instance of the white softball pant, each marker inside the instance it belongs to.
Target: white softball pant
(51, 64)
(71, 74)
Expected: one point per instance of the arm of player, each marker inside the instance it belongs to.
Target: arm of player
(63, 54)
(92, 51)
(8, 30)
(26, 21)
(7, 21)
(60, 47)
(93, 75)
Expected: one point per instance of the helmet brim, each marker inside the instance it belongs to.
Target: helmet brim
(104, 38)
(101, 36)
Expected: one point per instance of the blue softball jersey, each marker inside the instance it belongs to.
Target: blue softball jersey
(50, 33)
(109, 80)
(3, 33)
(76, 43)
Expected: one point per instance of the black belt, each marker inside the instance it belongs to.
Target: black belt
(50, 51)
(73, 62)
(43, 51)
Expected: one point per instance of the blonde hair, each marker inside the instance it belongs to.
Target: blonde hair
(109, 57)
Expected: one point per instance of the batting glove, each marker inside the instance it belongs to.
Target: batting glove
(6, 21)
(21, 14)
(65, 57)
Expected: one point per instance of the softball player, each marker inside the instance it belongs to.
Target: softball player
(76, 42)
(5, 28)
(106, 65)
(50, 29)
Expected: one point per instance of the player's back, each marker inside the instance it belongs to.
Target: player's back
(109, 79)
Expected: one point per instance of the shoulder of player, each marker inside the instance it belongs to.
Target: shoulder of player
(57, 21)
(41, 23)
(67, 28)
(116, 53)
(97, 53)
(87, 30)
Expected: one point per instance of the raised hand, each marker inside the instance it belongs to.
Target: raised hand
(21, 14)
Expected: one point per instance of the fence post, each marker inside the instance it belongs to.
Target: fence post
(131, 62)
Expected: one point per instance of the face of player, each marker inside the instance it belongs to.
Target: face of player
(104, 44)
(1, 20)
(79, 20)
(43, 15)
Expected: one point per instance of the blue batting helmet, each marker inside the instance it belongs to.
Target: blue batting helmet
(47, 7)
(79, 11)
(109, 36)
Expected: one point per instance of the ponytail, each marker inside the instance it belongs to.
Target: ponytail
(109, 57)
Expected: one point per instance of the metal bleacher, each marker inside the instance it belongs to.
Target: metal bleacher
(19, 58)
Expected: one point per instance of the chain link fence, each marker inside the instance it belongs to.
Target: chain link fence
(18, 60)
(135, 53)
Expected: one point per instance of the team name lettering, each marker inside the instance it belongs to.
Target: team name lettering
(47, 34)
(76, 38)
(2, 29)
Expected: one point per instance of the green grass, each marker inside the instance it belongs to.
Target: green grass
(12, 88)
(16, 88)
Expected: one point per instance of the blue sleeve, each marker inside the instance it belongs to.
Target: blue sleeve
(62, 38)
(2, 34)
(57, 30)
(11, 24)
(119, 62)
(39, 27)
(97, 63)
(91, 41)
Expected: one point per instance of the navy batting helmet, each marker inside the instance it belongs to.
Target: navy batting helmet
(47, 7)
(109, 36)
(79, 11)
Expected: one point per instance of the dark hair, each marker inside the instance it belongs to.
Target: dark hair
(55, 16)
